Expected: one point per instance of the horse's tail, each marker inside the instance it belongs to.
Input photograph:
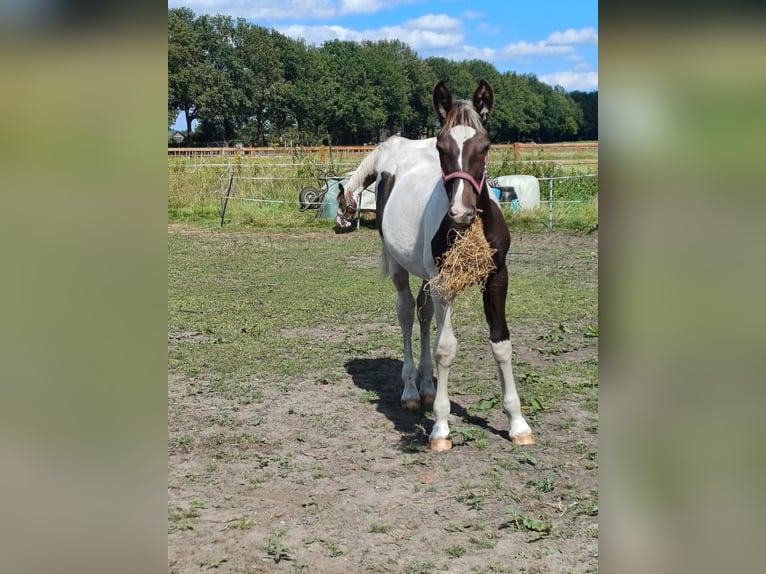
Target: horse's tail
(367, 171)
(364, 175)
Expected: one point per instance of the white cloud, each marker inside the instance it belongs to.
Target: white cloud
(585, 36)
(260, 9)
(433, 22)
(472, 15)
(474, 53)
(569, 80)
(432, 31)
(541, 48)
(359, 6)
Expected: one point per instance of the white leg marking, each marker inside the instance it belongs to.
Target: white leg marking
(445, 349)
(518, 426)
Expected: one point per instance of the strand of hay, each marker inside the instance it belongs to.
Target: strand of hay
(468, 262)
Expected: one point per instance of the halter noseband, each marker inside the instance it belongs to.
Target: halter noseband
(467, 176)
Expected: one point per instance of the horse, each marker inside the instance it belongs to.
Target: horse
(425, 189)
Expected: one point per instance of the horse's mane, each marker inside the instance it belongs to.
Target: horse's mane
(462, 113)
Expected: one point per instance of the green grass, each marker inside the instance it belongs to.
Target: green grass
(196, 186)
(245, 308)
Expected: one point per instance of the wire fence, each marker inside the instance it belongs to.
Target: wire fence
(230, 181)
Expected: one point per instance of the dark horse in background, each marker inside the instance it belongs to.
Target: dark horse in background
(425, 188)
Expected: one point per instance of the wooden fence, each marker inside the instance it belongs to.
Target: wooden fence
(520, 151)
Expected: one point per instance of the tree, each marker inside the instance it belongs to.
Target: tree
(243, 81)
(184, 65)
(588, 103)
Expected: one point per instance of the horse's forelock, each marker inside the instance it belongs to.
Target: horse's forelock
(462, 113)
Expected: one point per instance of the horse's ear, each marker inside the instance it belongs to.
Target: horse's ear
(483, 99)
(442, 101)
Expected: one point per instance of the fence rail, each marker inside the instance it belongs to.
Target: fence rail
(519, 150)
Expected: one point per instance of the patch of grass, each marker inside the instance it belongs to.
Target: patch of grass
(181, 518)
(333, 549)
(542, 485)
(456, 551)
(369, 396)
(483, 542)
(426, 567)
(244, 523)
(380, 528)
(465, 434)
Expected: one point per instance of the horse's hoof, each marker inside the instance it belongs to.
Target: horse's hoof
(440, 444)
(523, 439)
(411, 404)
(428, 401)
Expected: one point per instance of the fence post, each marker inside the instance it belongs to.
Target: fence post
(516, 152)
(550, 203)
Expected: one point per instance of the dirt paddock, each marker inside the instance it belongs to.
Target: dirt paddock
(317, 468)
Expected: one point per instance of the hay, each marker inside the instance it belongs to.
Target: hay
(468, 262)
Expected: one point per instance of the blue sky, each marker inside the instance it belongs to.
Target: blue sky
(556, 40)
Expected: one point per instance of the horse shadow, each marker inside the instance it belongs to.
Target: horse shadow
(379, 376)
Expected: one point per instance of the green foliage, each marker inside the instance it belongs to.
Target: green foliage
(522, 521)
(243, 82)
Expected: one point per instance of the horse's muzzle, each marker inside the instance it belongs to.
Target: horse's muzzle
(342, 221)
(462, 217)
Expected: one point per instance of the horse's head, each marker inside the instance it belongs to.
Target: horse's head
(346, 207)
(463, 146)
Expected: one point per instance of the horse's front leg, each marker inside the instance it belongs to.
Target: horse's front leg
(425, 309)
(405, 311)
(445, 349)
(494, 296)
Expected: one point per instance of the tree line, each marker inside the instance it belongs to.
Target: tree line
(243, 82)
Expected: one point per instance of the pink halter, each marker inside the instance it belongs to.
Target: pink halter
(467, 176)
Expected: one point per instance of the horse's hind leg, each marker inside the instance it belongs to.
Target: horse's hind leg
(405, 311)
(425, 307)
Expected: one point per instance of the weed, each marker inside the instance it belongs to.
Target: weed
(487, 404)
(494, 568)
(522, 521)
(369, 396)
(482, 541)
(463, 435)
(244, 523)
(276, 549)
(333, 549)
(318, 472)
(380, 528)
(184, 443)
(526, 458)
(473, 501)
(456, 551)
(426, 567)
(542, 485)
